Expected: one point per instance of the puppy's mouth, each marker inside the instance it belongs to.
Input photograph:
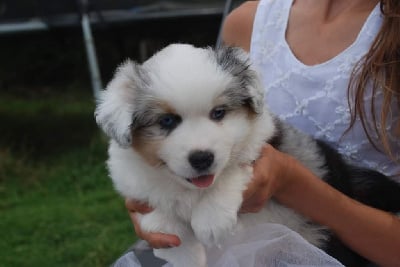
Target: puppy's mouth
(202, 181)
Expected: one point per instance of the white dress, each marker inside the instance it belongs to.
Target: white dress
(314, 98)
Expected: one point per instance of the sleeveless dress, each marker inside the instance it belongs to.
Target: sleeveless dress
(314, 98)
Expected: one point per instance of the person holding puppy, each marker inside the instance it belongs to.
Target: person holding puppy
(330, 68)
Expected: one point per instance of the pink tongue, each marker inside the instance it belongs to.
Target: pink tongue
(203, 181)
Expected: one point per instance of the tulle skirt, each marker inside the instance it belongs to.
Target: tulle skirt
(266, 245)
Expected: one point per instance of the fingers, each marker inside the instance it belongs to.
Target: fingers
(137, 206)
(255, 198)
(155, 240)
(258, 189)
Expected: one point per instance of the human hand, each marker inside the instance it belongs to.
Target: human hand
(270, 175)
(155, 240)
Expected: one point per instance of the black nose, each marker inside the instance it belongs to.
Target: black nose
(201, 160)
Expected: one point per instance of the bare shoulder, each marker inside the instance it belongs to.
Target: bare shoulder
(238, 25)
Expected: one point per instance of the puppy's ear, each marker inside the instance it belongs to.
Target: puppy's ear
(236, 61)
(115, 105)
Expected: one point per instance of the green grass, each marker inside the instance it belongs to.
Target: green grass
(57, 205)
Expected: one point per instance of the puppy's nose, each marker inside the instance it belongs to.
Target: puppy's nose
(201, 160)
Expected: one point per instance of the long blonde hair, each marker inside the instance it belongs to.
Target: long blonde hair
(379, 69)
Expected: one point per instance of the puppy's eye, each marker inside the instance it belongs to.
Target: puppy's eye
(217, 113)
(169, 121)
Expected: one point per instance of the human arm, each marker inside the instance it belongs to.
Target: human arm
(370, 232)
(238, 25)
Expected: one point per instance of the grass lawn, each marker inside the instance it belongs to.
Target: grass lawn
(57, 205)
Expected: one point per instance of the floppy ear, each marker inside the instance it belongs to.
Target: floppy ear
(236, 61)
(115, 105)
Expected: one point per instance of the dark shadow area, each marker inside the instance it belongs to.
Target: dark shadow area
(57, 58)
(46, 134)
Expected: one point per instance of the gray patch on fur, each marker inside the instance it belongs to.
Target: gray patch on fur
(127, 86)
(236, 97)
(110, 129)
(302, 147)
(146, 120)
(146, 112)
(247, 88)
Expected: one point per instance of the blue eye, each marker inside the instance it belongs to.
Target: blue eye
(169, 121)
(217, 113)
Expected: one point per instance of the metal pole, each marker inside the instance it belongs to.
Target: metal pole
(91, 54)
(227, 9)
(34, 25)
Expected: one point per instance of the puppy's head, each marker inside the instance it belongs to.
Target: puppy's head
(188, 111)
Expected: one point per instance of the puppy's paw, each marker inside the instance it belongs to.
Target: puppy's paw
(211, 229)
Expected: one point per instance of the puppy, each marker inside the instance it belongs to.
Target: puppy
(186, 125)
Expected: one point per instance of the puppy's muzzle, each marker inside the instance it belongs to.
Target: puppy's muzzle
(201, 160)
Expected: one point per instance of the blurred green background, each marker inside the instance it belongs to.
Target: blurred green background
(57, 205)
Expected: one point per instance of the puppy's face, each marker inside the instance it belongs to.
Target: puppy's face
(187, 111)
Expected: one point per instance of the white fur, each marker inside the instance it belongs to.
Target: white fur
(189, 80)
